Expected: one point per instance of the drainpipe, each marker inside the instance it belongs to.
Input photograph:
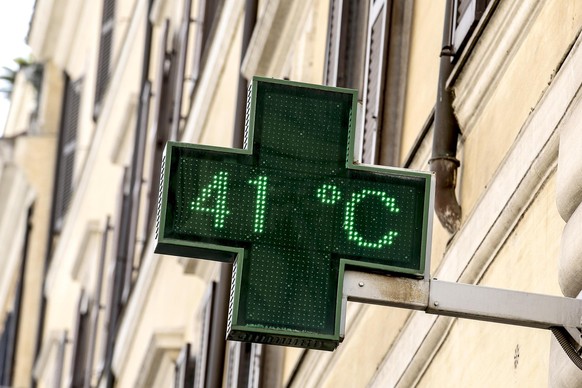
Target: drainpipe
(446, 130)
(217, 343)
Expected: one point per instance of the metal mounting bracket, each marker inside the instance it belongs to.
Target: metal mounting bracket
(464, 301)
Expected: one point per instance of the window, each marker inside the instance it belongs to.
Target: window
(116, 277)
(184, 369)
(205, 22)
(66, 150)
(57, 374)
(239, 364)
(368, 45)
(80, 343)
(7, 348)
(373, 86)
(105, 54)
(129, 224)
(345, 52)
(95, 325)
(466, 15)
(9, 335)
(204, 333)
(160, 122)
(181, 48)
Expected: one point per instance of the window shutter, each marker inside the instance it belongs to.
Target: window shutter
(66, 149)
(80, 344)
(374, 83)
(204, 22)
(333, 42)
(181, 50)
(346, 43)
(136, 180)
(184, 369)
(123, 241)
(240, 366)
(255, 365)
(9, 337)
(96, 304)
(160, 122)
(102, 366)
(105, 54)
(234, 349)
(7, 342)
(60, 359)
(116, 277)
(198, 43)
(205, 319)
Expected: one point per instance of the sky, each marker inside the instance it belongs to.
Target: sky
(14, 22)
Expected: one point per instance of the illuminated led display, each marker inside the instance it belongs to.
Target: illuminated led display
(292, 210)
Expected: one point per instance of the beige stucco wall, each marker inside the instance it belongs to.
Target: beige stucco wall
(495, 355)
(423, 69)
(514, 91)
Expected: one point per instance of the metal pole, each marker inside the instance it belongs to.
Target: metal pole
(464, 300)
(444, 160)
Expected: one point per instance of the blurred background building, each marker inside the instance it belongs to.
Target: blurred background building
(483, 92)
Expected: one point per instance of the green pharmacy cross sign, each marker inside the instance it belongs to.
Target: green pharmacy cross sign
(292, 210)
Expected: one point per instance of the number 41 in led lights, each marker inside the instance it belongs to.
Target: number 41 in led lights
(219, 208)
(292, 210)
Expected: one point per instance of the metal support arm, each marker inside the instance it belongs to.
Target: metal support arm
(465, 301)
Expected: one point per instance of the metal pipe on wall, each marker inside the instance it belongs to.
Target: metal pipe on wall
(444, 162)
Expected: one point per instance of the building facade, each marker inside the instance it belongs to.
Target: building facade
(485, 93)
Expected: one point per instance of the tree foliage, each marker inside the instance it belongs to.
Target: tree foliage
(32, 71)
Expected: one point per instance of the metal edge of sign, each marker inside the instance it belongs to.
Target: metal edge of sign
(269, 336)
(234, 296)
(304, 85)
(162, 200)
(427, 225)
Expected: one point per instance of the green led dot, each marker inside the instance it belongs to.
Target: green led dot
(328, 194)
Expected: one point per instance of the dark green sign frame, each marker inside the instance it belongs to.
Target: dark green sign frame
(292, 210)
